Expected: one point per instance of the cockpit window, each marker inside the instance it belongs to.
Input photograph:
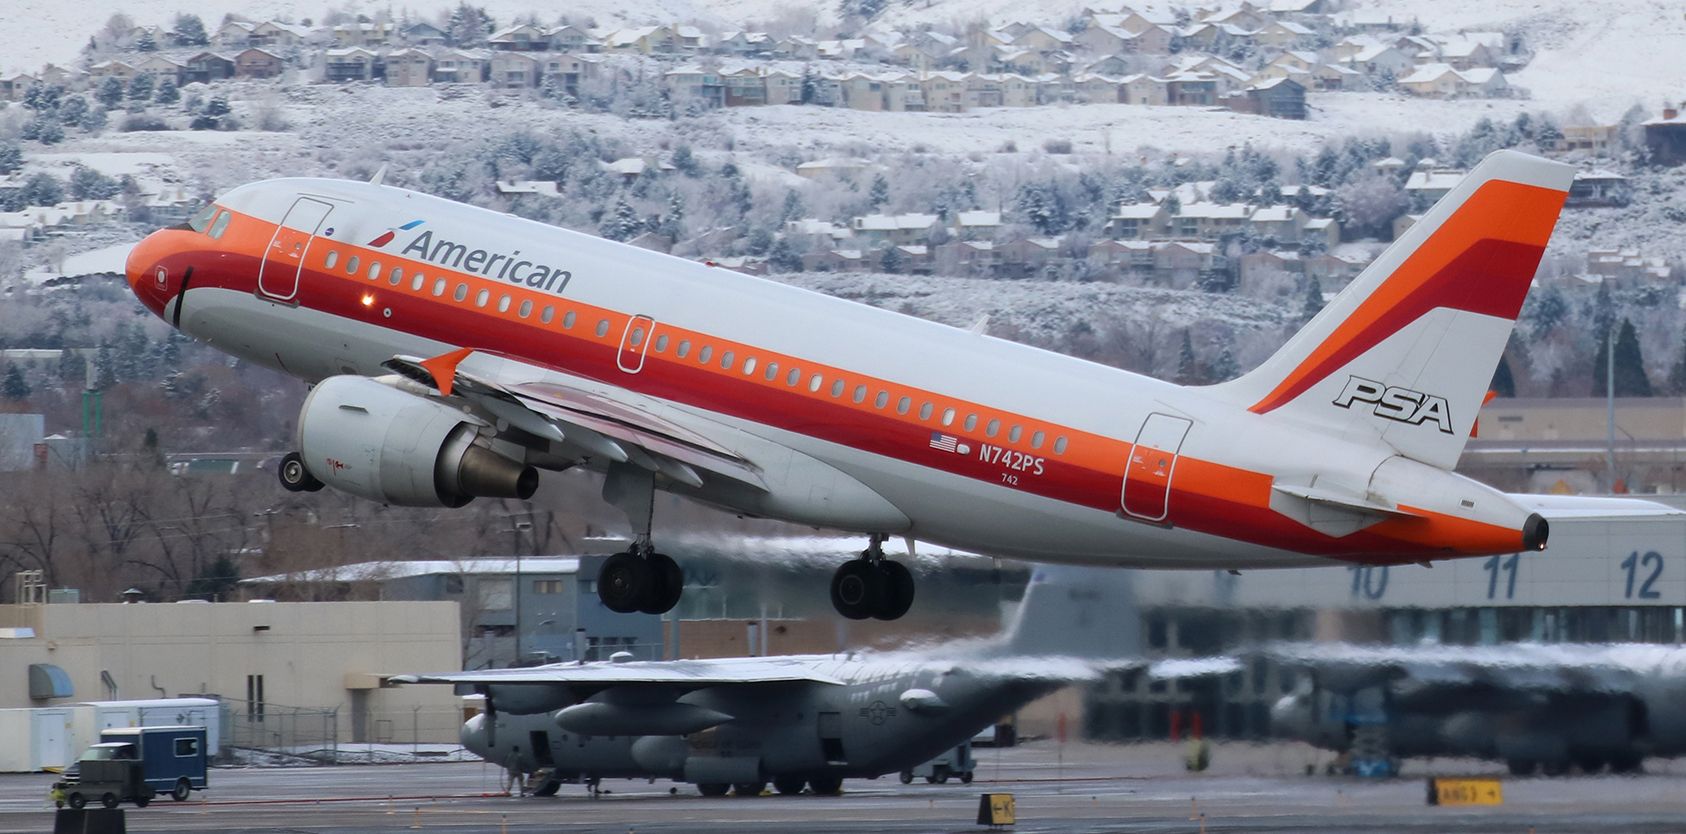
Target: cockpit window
(202, 218)
(221, 225)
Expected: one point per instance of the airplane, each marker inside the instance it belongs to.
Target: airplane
(1533, 706)
(802, 721)
(455, 351)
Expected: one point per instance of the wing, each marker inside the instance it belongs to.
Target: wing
(1555, 507)
(683, 675)
(600, 421)
(1429, 672)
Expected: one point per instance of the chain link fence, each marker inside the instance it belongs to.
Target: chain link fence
(265, 733)
(279, 736)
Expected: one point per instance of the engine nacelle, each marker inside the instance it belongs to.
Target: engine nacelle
(375, 441)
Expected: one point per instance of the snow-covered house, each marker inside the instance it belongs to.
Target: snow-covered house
(1209, 221)
(257, 62)
(1444, 81)
(1138, 221)
(409, 67)
(976, 225)
(878, 230)
(1283, 224)
(515, 70)
(522, 37)
(461, 66)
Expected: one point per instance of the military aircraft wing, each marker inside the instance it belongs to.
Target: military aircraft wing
(1523, 667)
(684, 674)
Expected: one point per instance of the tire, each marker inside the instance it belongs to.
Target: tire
(907, 777)
(856, 589)
(966, 778)
(897, 594)
(622, 582)
(181, 789)
(666, 586)
(294, 476)
(713, 788)
(749, 788)
(76, 801)
(142, 801)
(826, 785)
(549, 788)
(109, 799)
(1521, 767)
(788, 785)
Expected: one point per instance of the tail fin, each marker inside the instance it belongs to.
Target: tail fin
(1406, 352)
(1077, 612)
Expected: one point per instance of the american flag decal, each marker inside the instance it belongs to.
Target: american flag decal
(945, 442)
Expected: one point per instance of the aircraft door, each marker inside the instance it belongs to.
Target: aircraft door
(1153, 460)
(635, 342)
(831, 737)
(278, 275)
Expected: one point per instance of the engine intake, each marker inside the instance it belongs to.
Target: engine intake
(380, 443)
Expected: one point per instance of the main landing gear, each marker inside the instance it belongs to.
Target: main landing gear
(640, 579)
(294, 477)
(872, 586)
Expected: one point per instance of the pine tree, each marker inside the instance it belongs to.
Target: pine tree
(673, 223)
(685, 162)
(891, 260)
(11, 157)
(190, 30)
(621, 223)
(168, 93)
(1631, 380)
(879, 194)
(110, 92)
(1224, 368)
(140, 87)
(14, 387)
(1677, 373)
(1313, 300)
(1188, 367)
(1503, 384)
(810, 85)
(146, 42)
(783, 258)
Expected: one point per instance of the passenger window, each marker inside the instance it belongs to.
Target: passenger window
(903, 404)
(332, 258)
(350, 264)
(993, 428)
(417, 282)
(525, 310)
(925, 411)
(684, 348)
(374, 270)
(1014, 433)
(1036, 440)
(568, 321)
(461, 292)
(837, 388)
(948, 416)
(503, 304)
(883, 399)
(705, 354)
(1059, 445)
(772, 371)
(547, 314)
(661, 343)
(815, 381)
(602, 328)
(481, 297)
(221, 224)
(439, 288)
(749, 366)
(727, 360)
(971, 422)
(397, 275)
(860, 393)
(793, 377)
(637, 337)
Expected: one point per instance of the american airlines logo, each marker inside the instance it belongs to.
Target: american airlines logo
(504, 266)
(1401, 405)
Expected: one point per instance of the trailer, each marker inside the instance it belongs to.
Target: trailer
(953, 763)
(137, 764)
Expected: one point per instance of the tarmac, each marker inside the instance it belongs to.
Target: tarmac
(1057, 788)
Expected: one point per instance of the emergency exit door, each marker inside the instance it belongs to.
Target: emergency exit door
(283, 262)
(1153, 460)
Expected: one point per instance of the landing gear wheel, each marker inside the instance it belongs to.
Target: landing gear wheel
(826, 785)
(788, 785)
(667, 582)
(622, 583)
(294, 477)
(181, 790)
(896, 596)
(749, 788)
(857, 589)
(713, 788)
(547, 788)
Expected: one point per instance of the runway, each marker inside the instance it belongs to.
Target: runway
(1080, 788)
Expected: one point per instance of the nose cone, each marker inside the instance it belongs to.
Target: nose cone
(149, 276)
(473, 736)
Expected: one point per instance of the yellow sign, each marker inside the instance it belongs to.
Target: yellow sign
(1465, 792)
(996, 809)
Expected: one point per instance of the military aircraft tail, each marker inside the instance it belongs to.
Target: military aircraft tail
(1077, 612)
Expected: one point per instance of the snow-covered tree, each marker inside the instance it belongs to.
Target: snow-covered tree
(141, 87)
(14, 387)
(190, 30)
(89, 184)
(110, 92)
(1368, 206)
(11, 157)
(621, 223)
(167, 93)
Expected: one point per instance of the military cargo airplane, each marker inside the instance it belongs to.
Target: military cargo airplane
(802, 720)
(456, 351)
(1533, 706)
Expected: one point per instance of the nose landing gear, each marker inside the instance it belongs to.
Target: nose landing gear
(872, 586)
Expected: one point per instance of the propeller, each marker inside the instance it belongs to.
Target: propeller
(485, 691)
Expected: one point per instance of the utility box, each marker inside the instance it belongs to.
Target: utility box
(137, 764)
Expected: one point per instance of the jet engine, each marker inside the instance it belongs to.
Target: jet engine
(375, 441)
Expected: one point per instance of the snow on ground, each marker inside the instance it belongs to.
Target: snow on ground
(102, 260)
(110, 163)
